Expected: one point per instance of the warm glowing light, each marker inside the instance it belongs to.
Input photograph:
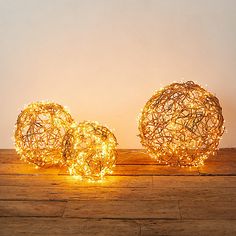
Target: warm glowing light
(40, 129)
(89, 150)
(181, 124)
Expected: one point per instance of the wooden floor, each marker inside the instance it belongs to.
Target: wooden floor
(141, 198)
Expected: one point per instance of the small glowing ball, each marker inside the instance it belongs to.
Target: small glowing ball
(40, 129)
(181, 125)
(90, 150)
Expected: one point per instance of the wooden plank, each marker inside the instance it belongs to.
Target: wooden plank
(10, 158)
(217, 210)
(69, 181)
(148, 170)
(153, 170)
(190, 194)
(131, 162)
(93, 193)
(115, 227)
(194, 181)
(65, 226)
(129, 156)
(188, 227)
(221, 164)
(134, 157)
(124, 156)
(26, 169)
(30, 193)
(223, 155)
(7, 150)
(218, 168)
(140, 156)
(123, 209)
(31, 208)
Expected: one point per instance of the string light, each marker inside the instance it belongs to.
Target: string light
(181, 125)
(39, 132)
(89, 150)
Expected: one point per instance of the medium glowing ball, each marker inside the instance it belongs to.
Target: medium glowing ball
(40, 129)
(90, 150)
(181, 125)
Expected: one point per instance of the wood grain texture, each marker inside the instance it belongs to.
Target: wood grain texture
(139, 198)
(207, 210)
(123, 209)
(58, 181)
(25, 169)
(113, 227)
(67, 226)
(100, 193)
(146, 170)
(31, 208)
(194, 181)
(189, 227)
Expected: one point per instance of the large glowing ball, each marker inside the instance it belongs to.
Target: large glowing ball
(90, 150)
(39, 132)
(181, 124)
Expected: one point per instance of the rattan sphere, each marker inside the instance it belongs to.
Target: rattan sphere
(40, 129)
(181, 125)
(89, 150)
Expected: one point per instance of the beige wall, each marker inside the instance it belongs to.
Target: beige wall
(104, 58)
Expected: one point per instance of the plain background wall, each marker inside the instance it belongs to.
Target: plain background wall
(105, 58)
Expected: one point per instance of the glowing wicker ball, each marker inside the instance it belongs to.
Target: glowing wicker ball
(181, 125)
(89, 150)
(40, 129)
